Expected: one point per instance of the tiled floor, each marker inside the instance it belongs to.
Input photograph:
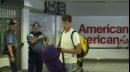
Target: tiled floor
(106, 67)
(103, 67)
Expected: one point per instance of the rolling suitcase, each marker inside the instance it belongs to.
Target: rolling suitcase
(50, 56)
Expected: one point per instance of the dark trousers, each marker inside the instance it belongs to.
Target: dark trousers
(35, 63)
(13, 66)
(13, 63)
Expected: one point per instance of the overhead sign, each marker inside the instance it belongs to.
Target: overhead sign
(61, 8)
(55, 7)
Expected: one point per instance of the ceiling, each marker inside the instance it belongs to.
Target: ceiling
(93, 7)
(90, 0)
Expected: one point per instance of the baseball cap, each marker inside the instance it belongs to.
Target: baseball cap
(13, 21)
(36, 24)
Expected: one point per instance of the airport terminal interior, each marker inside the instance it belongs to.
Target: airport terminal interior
(104, 24)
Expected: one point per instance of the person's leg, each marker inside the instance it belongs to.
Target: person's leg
(31, 64)
(39, 64)
(13, 63)
(80, 62)
(13, 66)
(70, 66)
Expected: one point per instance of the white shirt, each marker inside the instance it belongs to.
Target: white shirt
(66, 43)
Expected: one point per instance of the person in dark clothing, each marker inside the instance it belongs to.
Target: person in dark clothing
(36, 41)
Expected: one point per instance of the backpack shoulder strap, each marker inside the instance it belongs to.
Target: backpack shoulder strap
(72, 38)
(60, 38)
(62, 52)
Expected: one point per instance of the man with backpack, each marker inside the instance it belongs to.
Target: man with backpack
(66, 46)
(36, 41)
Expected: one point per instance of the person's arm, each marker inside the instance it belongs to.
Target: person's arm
(20, 45)
(10, 50)
(46, 40)
(33, 40)
(9, 40)
(76, 50)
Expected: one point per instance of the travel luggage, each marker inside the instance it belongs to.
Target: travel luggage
(50, 56)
